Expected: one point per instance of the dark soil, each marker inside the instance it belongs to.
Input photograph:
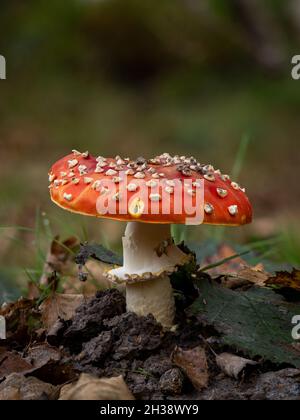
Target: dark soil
(105, 340)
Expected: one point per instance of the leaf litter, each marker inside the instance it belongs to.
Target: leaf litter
(232, 340)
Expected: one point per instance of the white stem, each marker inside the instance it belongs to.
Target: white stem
(149, 251)
(152, 297)
(140, 245)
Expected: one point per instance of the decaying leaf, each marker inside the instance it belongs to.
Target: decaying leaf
(255, 275)
(194, 364)
(245, 276)
(49, 366)
(232, 365)
(171, 382)
(17, 387)
(22, 321)
(33, 291)
(60, 258)
(256, 321)
(11, 362)
(59, 306)
(42, 354)
(236, 272)
(89, 387)
(286, 282)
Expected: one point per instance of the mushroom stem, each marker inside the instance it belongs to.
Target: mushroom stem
(149, 255)
(155, 297)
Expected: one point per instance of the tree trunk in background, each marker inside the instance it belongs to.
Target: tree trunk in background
(293, 10)
(263, 32)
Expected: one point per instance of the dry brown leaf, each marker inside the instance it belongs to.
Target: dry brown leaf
(236, 273)
(255, 275)
(194, 364)
(22, 318)
(233, 365)
(42, 354)
(233, 266)
(245, 275)
(59, 306)
(49, 365)
(89, 387)
(284, 279)
(11, 362)
(17, 387)
(33, 292)
(233, 282)
(60, 258)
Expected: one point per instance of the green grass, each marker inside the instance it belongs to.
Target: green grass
(281, 251)
(261, 248)
(240, 157)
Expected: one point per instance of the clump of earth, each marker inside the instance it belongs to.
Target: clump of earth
(104, 340)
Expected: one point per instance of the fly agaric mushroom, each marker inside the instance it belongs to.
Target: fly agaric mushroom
(87, 185)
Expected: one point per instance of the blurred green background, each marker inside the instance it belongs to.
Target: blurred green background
(134, 77)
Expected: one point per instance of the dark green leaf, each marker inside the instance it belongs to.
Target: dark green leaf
(257, 322)
(98, 252)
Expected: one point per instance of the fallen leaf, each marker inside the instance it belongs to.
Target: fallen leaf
(42, 354)
(286, 280)
(33, 291)
(55, 373)
(232, 365)
(59, 306)
(236, 272)
(48, 365)
(171, 382)
(194, 364)
(22, 320)
(60, 258)
(233, 282)
(255, 275)
(17, 387)
(89, 387)
(245, 275)
(256, 322)
(11, 362)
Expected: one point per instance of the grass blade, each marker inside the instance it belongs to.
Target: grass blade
(241, 156)
(251, 247)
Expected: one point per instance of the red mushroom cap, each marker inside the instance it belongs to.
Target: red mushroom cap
(78, 180)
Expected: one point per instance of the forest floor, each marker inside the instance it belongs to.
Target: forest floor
(235, 336)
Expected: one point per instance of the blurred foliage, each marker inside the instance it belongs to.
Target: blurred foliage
(134, 41)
